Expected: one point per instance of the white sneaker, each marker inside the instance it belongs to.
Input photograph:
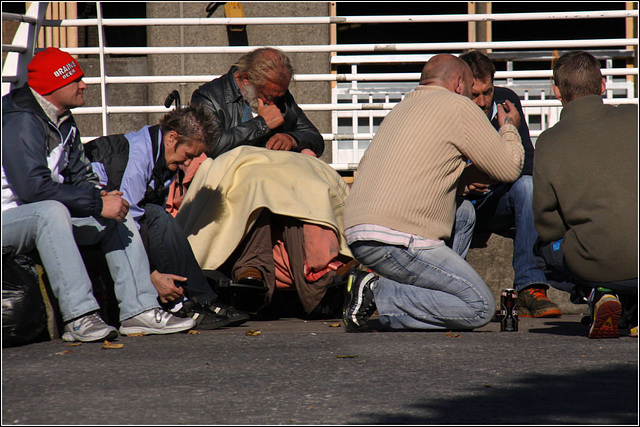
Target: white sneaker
(155, 321)
(89, 328)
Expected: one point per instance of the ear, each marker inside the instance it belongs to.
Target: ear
(457, 85)
(171, 138)
(603, 87)
(244, 79)
(556, 92)
(241, 79)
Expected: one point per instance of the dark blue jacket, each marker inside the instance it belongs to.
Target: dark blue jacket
(28, 138)
(499, 96)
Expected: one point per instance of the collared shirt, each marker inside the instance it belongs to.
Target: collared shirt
(247, 114)
(58, 157)
(494, 111)
(51, 110)
(387, 235)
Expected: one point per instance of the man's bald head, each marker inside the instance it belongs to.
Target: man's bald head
(450, 72)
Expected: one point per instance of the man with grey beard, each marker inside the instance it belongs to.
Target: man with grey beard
(254, 106)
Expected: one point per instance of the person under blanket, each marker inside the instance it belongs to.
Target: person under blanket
(271, 219)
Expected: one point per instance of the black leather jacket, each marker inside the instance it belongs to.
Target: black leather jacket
(222, 96)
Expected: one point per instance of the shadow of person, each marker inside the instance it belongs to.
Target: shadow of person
(204, 208)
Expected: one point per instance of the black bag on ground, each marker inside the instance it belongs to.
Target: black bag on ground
(24, 316)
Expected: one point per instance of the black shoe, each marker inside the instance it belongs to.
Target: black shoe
(205, 319)
(220, 309)
(359, 301)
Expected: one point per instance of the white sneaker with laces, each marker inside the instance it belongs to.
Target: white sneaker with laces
(88, 328)
(155, 321)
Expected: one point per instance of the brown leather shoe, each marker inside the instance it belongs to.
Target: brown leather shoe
(346, 267)
(250, 276)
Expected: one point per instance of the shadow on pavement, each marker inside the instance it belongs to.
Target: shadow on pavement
(606, 396)
(562, 328)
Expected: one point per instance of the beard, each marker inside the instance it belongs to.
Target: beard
(250, 95)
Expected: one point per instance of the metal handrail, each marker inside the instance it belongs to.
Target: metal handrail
(368, 77)
(327, 107)
(349, 19)
(391, 47)
(16, 17)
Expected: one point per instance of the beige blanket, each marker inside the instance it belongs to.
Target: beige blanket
(228, 193)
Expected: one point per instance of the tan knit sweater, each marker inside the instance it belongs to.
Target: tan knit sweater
(408, 177)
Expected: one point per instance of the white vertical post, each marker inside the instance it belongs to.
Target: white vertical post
(544, 111)
(354, 116)
(103, 71)
(525, 111)
(370, 114)
(609, 79)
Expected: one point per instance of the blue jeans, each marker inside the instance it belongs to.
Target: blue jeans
(462, 232)
(510, 205)
(551, 259)
(431, 288)
(48, 227)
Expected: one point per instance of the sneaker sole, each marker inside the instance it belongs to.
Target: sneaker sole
(209, 327)
(238, 322)
(68, 337)
(552, 312)
(349, 320)
(152, 331)
(606, 318)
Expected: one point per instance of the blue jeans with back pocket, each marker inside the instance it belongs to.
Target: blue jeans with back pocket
(427, 289)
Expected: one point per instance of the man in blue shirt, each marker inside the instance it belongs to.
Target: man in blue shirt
(501, 206)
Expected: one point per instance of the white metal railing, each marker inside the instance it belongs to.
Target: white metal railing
(19, 53)
(358, 99)
(350, 19)
(393, 47)
(353, 96)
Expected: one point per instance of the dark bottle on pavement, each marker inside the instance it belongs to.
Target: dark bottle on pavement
(508, 310)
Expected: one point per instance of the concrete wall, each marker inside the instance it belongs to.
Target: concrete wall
(117, 95)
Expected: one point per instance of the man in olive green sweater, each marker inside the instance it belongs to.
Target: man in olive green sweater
(585, 197)
(402, 206)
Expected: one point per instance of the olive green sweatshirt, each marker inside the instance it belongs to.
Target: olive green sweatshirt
(585, 188)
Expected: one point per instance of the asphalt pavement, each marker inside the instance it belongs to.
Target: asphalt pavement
(292, 371)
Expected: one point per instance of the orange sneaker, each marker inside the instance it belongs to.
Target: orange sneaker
(533, 302)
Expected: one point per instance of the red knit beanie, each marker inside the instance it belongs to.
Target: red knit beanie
(52, 69)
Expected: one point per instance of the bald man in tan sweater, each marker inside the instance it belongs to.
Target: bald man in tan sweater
(402, 206)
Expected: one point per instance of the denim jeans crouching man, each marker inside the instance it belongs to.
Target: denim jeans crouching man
(428, 288)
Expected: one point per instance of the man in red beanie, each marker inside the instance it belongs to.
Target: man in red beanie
(52, 202)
